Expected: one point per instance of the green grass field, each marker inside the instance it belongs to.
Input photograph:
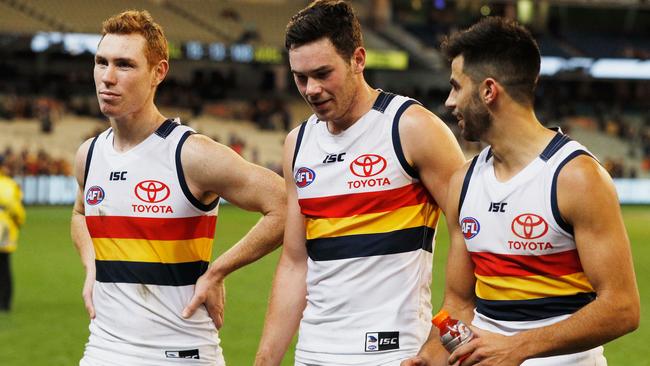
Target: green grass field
(48, 325)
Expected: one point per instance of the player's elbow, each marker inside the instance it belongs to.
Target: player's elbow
(628, 314)
(633, 316)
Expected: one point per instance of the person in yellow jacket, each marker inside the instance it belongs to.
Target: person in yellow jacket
(12, 216)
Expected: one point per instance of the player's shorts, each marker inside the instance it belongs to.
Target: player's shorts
(373, 363)
(137, 356)
(592, 357)
(395, 363)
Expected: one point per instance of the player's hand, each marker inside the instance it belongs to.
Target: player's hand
(87, 293)
(489, 349)
(210, 292)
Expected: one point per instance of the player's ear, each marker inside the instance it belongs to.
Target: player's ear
(489, 91)
(160, 72)
(358, 61)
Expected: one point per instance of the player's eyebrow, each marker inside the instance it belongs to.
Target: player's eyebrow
(320, 69)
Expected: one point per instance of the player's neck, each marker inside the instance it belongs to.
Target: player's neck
(516, 138)
(363, 101)
(131, 130)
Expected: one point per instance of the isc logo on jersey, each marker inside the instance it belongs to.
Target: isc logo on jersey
(152, 192)
(367, 166)
(304, 177)
(382, 341)
(94, 195)
(470, 227)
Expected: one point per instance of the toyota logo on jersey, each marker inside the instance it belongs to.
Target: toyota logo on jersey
(368, 165)
(529, 226)
(151, 191)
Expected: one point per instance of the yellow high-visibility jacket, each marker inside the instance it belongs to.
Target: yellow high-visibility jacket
(12, 213)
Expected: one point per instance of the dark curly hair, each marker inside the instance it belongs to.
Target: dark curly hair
(332, 19)
(498, 48)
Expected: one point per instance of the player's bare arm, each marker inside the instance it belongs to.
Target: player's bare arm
(604, 250)
(288, 296)
(79, 230)
(432, 149)
(459, 279)
(214, 170)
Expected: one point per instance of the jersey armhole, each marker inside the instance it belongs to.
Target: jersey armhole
(181, 179)
(301, 132)
(397, 142)
(554, 205)
(89, 157)
(468, 177)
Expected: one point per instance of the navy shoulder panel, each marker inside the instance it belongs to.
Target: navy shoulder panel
(383, 100)
(166, 128)
(554, 146)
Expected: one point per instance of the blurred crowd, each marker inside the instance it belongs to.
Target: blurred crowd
(605, 105)
(29, 163)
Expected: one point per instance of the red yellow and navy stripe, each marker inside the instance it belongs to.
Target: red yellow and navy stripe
(534, 309)
(367, 224)
(161, 251)
(556, 264)
(346, 205)
(175, 228)
(530, 287)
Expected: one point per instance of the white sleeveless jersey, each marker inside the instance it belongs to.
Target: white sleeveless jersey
(370, 227)
(152, 241)
(528, 273)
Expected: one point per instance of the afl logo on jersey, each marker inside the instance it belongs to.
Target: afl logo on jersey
(470, 227)
(368, 165)
(529, 226)
(304, 177)
(151, 191)
(94, 195)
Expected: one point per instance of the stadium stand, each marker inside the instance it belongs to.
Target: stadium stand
(249, 105)
(86, 16)
(16, 21)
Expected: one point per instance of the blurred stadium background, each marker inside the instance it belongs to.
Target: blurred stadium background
(229, 80)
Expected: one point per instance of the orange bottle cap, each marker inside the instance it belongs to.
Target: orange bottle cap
(440, 317)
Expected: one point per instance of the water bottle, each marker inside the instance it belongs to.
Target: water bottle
(453, 332)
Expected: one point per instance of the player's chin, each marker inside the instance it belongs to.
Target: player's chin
(323, 116)
(469, 136)
(108, 110)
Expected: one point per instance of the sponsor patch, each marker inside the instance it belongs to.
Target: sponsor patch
(381, 341)
(94, 195)
(188, 354)
(368, 165)
(151, 191)
(304, 177)
(529, 226)
(470, 227)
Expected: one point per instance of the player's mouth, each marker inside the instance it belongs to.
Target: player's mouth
(320, 104)
(108, 95)
(459, 119)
